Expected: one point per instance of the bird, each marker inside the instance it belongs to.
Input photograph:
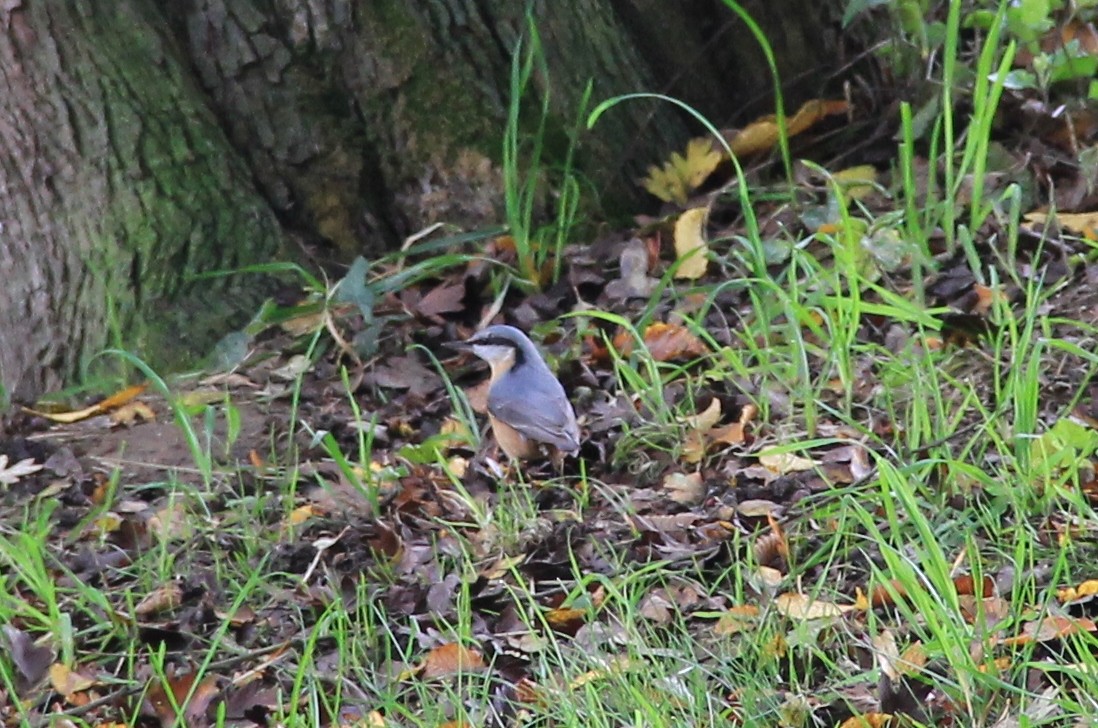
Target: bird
(527, 407)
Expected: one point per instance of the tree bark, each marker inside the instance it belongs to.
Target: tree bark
(367, 120)
(142, 142)
(116, 184)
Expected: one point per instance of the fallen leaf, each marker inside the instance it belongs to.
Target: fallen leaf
(31, 660)
(681, 175)
(743, 618)
(127, 414)
(450, 659)
(69, 682)
(856, 182)
(157, 703)
(804, 607)
(442, 299)
(706, 419)
(162, 599)
(307, 322)
(566, 619)
(405, 372)
(686, 489)
(691, 248)
(617, 666)
(1083, 223)
(669, 342)
(10, 475)
(761, 135)
(1085, 590)
(1048, 628)
(786, 462)
(201, 397)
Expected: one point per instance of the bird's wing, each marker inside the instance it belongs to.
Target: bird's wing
(551, 421)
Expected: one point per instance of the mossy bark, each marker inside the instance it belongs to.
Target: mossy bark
(366, 120)
(118, 187)
(145, 142)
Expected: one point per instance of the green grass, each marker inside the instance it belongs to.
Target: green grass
(967, 468)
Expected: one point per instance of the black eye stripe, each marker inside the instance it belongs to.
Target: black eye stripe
(493, 341)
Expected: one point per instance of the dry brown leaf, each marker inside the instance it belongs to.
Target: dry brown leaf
(730, 434)
(456, 433)
(159, 705)
(681, 175)
(1050, 627)
(691, 247)
(1083, 223)
(706, 419)
(122, 397)
(686, 489)
(786, 462)
(565, 619)
(442, 299)
(301, 514)
(69, 682)
(804, 607)
(128, 413)
(696, 442)
(503, 566)
(742, 618)
(451, 659)
(693, 447)
(882, 596)
(32, 661)
(670, 342)
(762, 135)
(758, 508)
(171, 522)
(965, 584)
(166, 597)
(112, 402)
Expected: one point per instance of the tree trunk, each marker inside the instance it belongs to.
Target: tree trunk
(145, 142)
(116, 184)
(369, 120)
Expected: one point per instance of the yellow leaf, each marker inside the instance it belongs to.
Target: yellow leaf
(1084, 223)
(681, 175)
(804, 607)
(69, 682)
(856, 182)
(691, 248)
(704, 420)
(112, 402)
(762, 134)
(786, 462)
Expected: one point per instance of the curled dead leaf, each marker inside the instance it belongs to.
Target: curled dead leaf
(159, 600)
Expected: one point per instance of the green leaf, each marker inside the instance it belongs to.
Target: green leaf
(354, 289)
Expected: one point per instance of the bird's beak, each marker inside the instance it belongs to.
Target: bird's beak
(458, 345)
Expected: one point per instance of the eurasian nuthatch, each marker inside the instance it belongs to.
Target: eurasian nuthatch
(527, 407)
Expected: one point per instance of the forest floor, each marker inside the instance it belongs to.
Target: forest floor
(844, 470)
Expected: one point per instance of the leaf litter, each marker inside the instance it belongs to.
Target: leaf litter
(400, 528)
